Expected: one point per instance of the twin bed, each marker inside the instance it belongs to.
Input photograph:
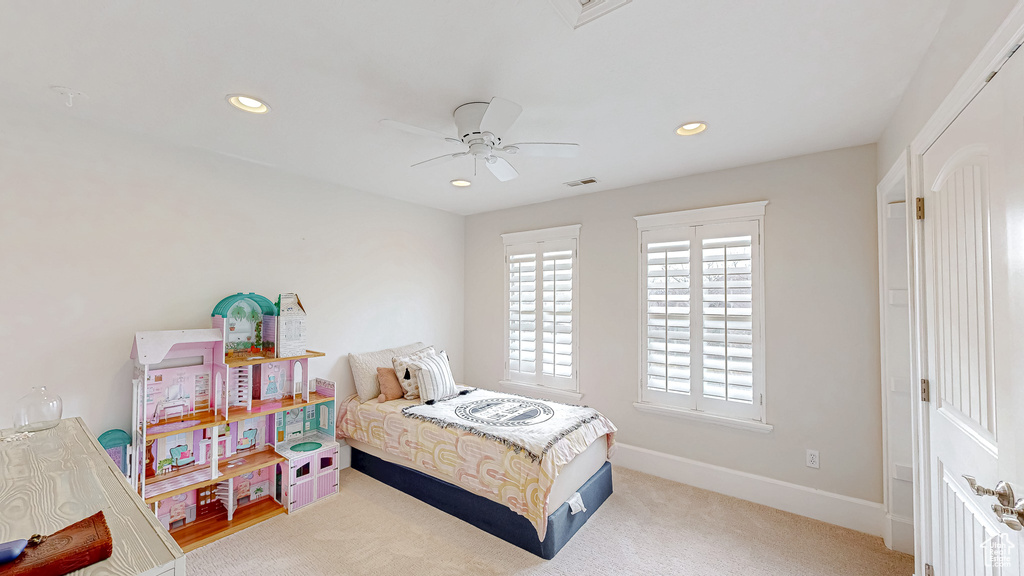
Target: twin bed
(525, 470)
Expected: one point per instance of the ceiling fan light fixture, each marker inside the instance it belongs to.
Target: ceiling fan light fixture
(480, 125)
(691, 128)
(248, 103)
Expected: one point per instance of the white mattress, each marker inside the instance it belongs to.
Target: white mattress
(568, 481)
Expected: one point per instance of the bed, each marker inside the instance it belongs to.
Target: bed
(532, 500)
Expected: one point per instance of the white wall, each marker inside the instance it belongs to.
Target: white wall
(966, 29)
(822, 328)
(104, 235)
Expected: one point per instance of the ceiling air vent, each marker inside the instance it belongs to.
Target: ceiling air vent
(578, 12)
(582, 182)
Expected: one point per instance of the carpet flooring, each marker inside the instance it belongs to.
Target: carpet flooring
(648, 526)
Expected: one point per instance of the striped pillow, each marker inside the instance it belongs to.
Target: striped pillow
(407, 373)
(435, 378)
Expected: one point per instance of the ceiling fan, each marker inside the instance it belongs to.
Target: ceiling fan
(479, 126)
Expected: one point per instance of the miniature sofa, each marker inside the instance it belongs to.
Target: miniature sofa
(248, 439)
(181, 456)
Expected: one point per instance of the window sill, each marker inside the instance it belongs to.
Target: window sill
(544, 392)
(704, 417)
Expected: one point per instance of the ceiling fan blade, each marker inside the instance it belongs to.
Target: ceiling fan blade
(500, 115)
(550, 149)
(501, 169)
(440, 159)
(417, 130)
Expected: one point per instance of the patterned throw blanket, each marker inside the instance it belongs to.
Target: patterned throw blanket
(526, 425)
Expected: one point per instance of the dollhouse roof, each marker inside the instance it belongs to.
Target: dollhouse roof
(222, 307)
(290, 305)
(114, 439)
(152, 347)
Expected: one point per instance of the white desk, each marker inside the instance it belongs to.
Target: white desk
(62, 475)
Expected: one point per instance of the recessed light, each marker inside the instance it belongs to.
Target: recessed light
(461, 183)
(248, 103)
(691, 128)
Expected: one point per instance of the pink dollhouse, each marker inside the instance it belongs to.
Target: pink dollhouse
(220, 435)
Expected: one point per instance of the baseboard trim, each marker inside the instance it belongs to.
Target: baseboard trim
(899, 533)
(853, 513)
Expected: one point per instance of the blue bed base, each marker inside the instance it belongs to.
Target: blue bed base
(488, 515)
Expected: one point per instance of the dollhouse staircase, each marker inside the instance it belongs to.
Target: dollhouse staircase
(240, 387)
(224, 494)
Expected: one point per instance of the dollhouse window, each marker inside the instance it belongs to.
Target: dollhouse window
(302, 470)
(242, 319)
(297, 377)
(326, 462)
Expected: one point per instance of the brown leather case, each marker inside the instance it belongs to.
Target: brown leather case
(77, 546)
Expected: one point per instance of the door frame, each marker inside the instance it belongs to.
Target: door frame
(996, 52)
(895, 184)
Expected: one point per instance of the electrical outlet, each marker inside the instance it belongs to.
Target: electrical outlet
(812, 459)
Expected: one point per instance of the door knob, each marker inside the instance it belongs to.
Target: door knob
(1012, 517)
(1003, 491)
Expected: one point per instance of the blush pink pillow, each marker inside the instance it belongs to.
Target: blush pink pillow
(390, 387)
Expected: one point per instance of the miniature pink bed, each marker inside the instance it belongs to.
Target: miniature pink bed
(178, 512)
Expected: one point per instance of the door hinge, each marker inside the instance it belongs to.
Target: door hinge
(762, 399)
(920, 208)
(926, 395)
(928, 570)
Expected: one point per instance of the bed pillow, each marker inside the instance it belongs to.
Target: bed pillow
(390, 388)
(364, 368)
(407, 374)
(435, 378)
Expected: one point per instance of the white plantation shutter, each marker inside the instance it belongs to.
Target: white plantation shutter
(542, 313)
(667, 311)
(726, 296)
(522, 319)
(701, 314)
(557, 327)
(727, 316)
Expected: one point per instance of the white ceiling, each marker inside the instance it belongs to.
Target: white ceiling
(772, 78)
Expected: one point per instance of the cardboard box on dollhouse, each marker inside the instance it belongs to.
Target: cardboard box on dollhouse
(217, 432)
(291, 336)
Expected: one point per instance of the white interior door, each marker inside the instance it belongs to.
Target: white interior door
(971, 251)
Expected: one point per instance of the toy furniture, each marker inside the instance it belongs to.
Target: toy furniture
(312, 469)
(312, 462)
(178, 515)
(220, 452)
(116, 443)
(242, 491)
(248, 439)
(58, 476)
(181, 456)
(173, 404)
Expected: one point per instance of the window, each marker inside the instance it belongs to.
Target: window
(541, 312)
(702, 312)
